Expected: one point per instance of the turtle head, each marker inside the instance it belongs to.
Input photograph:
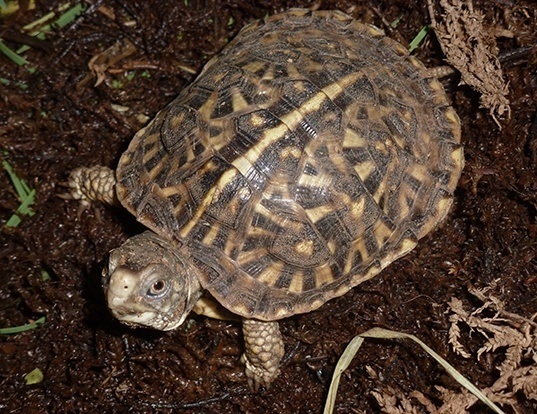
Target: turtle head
(148, 283)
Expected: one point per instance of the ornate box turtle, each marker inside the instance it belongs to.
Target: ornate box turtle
(308, 155)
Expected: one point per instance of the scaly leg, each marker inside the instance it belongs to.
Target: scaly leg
(96, 183)
(264, 352)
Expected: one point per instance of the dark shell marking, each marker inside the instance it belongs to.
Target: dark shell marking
(306, 157)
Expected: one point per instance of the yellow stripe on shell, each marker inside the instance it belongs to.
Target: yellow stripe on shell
(323, 276)
(357, 247)
(381, 189)
(297, 284)
(211, 234)
(365, 169)
(317, 213)
(238, 101)
(382, 232)
(199, 212)
(337, 87)
(270, 275)
(255, 65)
(249, 256)
(353, 140)
(207, 109)
(212, 193)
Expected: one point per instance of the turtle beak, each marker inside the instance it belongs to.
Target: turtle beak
(121, 288)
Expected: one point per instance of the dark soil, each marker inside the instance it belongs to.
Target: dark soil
(55, 120)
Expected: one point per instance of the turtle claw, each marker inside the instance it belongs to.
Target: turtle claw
(258, 377)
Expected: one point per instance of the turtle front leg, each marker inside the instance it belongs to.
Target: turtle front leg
(96, 183)
(264, 352)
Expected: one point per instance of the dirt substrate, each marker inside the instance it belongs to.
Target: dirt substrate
(55, 119)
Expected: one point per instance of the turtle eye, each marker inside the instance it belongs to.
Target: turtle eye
(157, 289)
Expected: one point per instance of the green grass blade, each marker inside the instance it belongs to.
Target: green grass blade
(25, 187)
(24, 207)
(45, 18)
(25, 193)
(19, 188)
(13, 221)
(396, 22)
(63, 20)
(419, 38)
(22, 328)
(16, 58)
(70, 15)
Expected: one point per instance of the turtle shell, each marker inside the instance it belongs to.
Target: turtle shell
(309, 154)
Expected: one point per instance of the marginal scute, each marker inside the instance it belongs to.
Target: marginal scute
(373, 31)
(458, 159)
(306, 157)
(415, 62)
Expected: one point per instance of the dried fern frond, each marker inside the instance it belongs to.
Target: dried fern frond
(470, 48)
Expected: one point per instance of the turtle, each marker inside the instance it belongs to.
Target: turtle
(307, 156)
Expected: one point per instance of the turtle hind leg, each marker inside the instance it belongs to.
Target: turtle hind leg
(264, 352)
(96, 183)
